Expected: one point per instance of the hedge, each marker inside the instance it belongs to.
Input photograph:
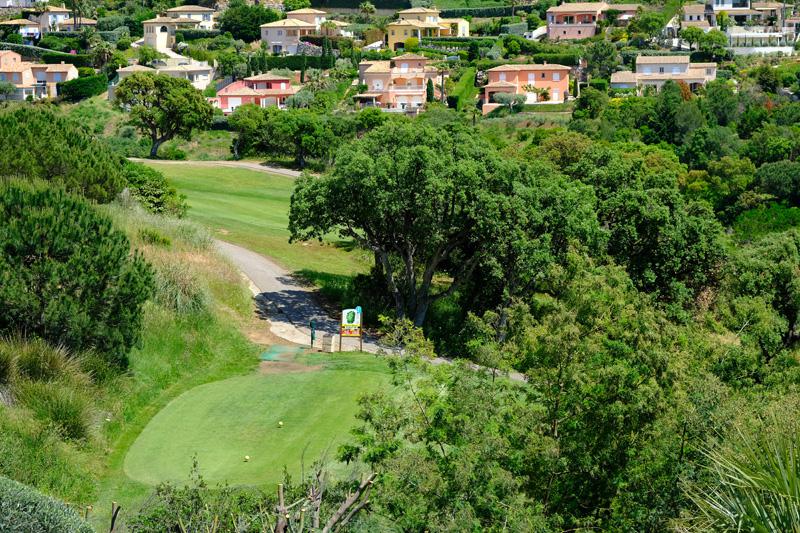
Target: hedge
(80, 88)
(111, 36)
(458, 41)
(25, 510)
(517, 28)
(335, 41)
(296, 62)
(25, 50)
(79, 60)
(190, 34)
(483, 12)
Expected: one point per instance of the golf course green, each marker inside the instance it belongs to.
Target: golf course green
(222, 422)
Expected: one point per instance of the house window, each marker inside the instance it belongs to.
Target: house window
(392, 32)
(280, 32)
(675, 70)
(661, 70)
(405, 32)
(579, 32)
(502, 76)
(377, 85)
(708, 72)
(554, 95)
(542, 76)
(556, 76)
(206, 17)
(531, 77)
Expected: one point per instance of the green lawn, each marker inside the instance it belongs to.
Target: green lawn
(465, 89)
(222, 422)
(251, 208)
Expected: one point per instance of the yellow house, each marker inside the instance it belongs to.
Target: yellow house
(422, 22)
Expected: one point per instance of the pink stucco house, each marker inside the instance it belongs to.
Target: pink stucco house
(539, 83)
(263, 90)
(397, 85)
(578, 20)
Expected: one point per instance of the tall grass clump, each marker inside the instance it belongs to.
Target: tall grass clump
(39, 361)
(58, 404)
(180, 289)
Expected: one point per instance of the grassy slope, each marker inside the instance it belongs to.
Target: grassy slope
(177, 353)
(222, 422)
(251, 208)
(465, 89)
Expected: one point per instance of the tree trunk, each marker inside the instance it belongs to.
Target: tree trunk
(154, 148)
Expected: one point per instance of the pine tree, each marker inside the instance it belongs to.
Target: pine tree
(67, 275)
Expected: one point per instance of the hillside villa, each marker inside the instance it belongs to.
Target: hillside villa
(422, 22)
(203, 15)
(199, 73)
(160, 31)
(578, 20)
(397, 85)
(283, 36)
(33, 80)
(27, 28)
(51, 16)
(654, 71)
(262, 90)
(539, 83)
(75, 24)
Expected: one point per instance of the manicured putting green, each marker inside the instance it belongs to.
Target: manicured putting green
(221, 422)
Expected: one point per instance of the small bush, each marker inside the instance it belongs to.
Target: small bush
(151, 189)
(151, 236)
(58, 404)
(180, 289)
(25, 510)
(123, 44)
(172, 153)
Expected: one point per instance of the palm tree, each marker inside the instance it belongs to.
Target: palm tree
(756, 488)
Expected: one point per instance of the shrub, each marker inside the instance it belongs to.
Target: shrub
(180, 289)
(58, 404)
(84, 72)
(124, 44)
(25, 510)
(151, 236)
(150, 188)
(67, 275)
(81, 88)
(58, 150)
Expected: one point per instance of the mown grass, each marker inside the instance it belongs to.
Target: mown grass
(251, 208)
(283, 420)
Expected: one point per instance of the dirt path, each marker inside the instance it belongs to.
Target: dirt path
(250, 165)
(290, 304)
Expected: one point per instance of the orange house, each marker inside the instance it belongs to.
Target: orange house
(539, 83)
(263, 90)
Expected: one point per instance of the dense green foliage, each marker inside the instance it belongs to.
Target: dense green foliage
(84, 87)
(56, 150)
(67, 275)
(163, 107)
(150, 188)
(24, 510)
(243, 21)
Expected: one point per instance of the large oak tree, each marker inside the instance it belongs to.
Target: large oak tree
(163, 107)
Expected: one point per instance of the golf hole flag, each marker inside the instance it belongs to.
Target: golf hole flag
(351, 322)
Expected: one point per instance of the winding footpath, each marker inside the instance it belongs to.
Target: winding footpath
(290, 304)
